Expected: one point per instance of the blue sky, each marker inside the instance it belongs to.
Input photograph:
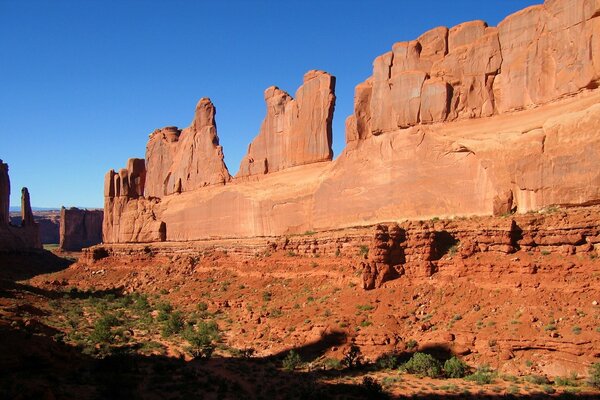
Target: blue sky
(83, 82)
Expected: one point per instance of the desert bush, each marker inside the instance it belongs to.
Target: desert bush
(455, 368)
(411, 344)
(102, 329)
(363, 251)
(387, 361)
(332, 363)
(536, 379)
(352, 357)
(202, 339)
(291, 361)
(483, 375)
(594, 379)
(173, 324)
(423, 364)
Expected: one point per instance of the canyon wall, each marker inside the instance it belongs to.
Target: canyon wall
(471, 120)
(16, 238)
(80, 228)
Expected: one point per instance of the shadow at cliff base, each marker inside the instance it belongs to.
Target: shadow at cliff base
(17, 266)
(34, 365)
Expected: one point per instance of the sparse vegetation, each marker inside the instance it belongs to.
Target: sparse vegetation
(423, 364)
(483, 375)
(455, 368)
(594, 378)
(292, 361)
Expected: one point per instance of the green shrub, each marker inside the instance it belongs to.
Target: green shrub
(102, 329)
(455, 368)
(411, 344)
(292, 361)
(594, 379)
(567, 380)
(423, 364)
(332, 363)
(483, 375)
(387, 361)
(536, 379)
(202, 340)
(363, 251)
(173, 324)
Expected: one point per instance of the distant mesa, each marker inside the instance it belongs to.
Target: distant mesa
(468, 120)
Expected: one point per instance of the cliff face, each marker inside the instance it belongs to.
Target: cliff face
(471, 120)
(472, 70)
(80, 228)
(295, 131)
(13, 238)
(179, 161)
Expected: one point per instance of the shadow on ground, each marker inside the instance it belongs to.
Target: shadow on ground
(33, 365)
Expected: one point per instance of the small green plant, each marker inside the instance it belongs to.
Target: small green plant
(363, 251)
(337, 252)
(292, 361)
(411, 344)
(528, 363)
(332, 363)
(202, 306)
(309, 233)
(482, 376)
(266, 296)
(202, 340)
(455, 368)
(364, 307)
(594, 378)
(423, 364)
(570, 380)
(387, 361)
(536, 379)
(173, 324)
(576, 330)
(102, 329)
(550, 327)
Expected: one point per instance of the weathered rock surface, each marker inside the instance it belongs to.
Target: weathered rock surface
(533, 57)
(128, 217)
(4, 194)
(13, 238)
(295, 131)
(184, 160)
(453, 123)
(80, 228)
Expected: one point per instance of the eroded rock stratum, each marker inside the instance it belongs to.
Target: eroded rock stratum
(471, 120)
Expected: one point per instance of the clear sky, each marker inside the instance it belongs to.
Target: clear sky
(83, 82)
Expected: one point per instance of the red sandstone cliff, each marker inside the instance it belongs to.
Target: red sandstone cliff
(12, 238)
(178, 161)
(471, 120)
(80, 228)
(295, 131)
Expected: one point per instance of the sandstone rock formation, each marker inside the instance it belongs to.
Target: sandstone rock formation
(80, 228)
(4, 194)
(184, 160)
(128, 217)
(471, 120)
(295, 131)
(12, 238)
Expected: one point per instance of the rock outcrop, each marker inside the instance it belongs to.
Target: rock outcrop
(13, 238)
(472, 70)
(295, 131)
(184, 160)
(80, 228)
(128, 216)
(471, 120)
